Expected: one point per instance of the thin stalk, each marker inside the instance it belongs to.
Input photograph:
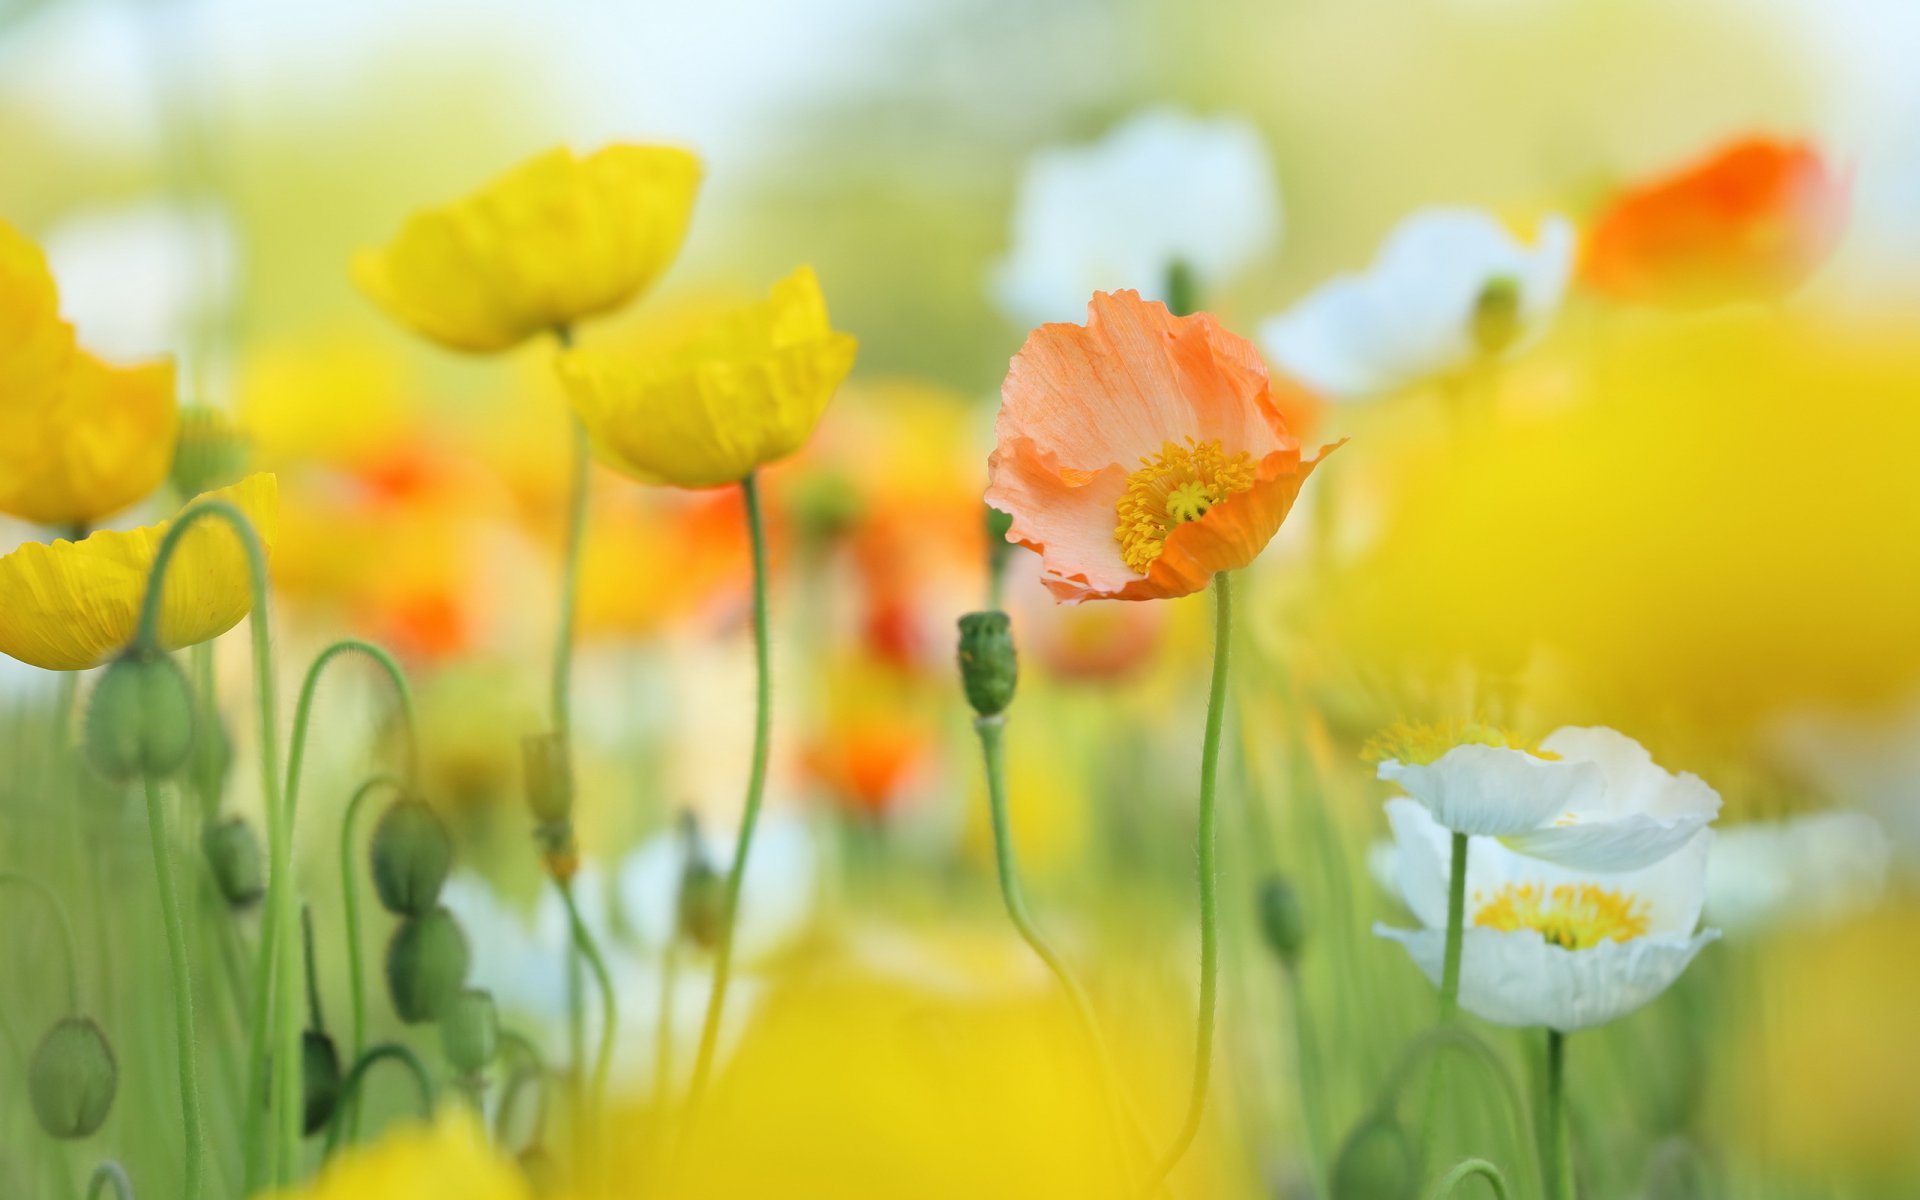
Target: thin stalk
(1209, 903)
(663, 1025)
(303, 710)
(1313, 1100)
(350, 1086)
(609, 1019)
(62, 923)
(182, 987)
(1557, 1167)
(1456, 930)
(534, 1069)
(110, 1174)
(1465, 1170)
(350, 901)
(315, 1020)
(756, 787)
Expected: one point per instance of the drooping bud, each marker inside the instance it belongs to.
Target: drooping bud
(233, 855)
(700, 908)
(209, 451)
(72, 1079)
(426, 965)
(988, 666)
(1496, 316)
(140, 719)
(320, 1081)
(412, 854)
(550, 796)
(1281, 921)
(1183, 288)
(1375, 1163)
(470, 1031)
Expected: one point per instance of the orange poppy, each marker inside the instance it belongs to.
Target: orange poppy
(1750, 222)
(1141, 453)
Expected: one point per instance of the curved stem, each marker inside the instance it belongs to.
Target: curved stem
(350, 1086)
(1456, 930)
(110, 1174)
(756, 787)
(62, 922)
(182, 986)
(609, 1018)
(1209, 905)
(992, 732)
(534, 1069)
(350, 901)
(278, 936)
(1467, 1168)
(303, 710)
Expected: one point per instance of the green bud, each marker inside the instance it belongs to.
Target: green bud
(233, 855)
(320, 1081)
(1183, 288)
(1374, 1163)
(72, 1079)
(426, 965)
(209, 451)
(988, 665)
(140, 719)
(1496, 315)
(412, 853)
(549, 778)
(701, 905)
(824, 505)
(1281, 921)
(470, 1031)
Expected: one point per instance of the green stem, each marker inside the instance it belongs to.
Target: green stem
(1558, 1166)
(992, 732)
(350, 1086)
(182, 986)
(756, 787)
(62, 923)
(315, 1021)
(609, 1021)
(533, 1068)
(110, 1174)
(303, 710)
(1307, 1069)
(350, 901)
(1467, 1168)
(286, 1107)
(1456, 930)
(1209, 905)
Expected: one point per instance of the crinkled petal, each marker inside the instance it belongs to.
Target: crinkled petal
(1495, 791)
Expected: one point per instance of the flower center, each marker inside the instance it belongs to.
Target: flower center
(1571, 915)
(1177, 485)
(1420, 743)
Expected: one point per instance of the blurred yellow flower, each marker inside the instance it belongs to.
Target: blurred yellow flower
(79, 438)
(66, 606)
(557, 239)
(744, 392)
(451, 1157)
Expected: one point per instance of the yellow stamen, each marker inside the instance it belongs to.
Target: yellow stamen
(1177, 485)
(1418, 744)
(1572, 915)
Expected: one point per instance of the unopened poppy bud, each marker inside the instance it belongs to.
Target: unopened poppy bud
(1374, 1163)
(72, 1079)
(701, 905)
(411, 856)
(824, 506)
(209, 451)
(140, 719)
(320, 1081)
(1183, 288)
(549, 777)
(988, 666)
(1496, 316)
(470, 1031)
(1281, 921)
(426, 965)
(233, 855)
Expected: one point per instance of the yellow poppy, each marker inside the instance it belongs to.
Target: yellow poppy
(557, 239)
(79, 439)
(448, 1158)
(744, 392)
(66, 606)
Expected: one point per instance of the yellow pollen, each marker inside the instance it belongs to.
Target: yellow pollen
(1418, 744)
(1177, 485)
(1571, 915)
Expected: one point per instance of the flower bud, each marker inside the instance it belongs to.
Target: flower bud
(72, 1079)
(233, 855)
(140, 719)
(411, 856)
(549, 778)
(701, 905)
(1374, 1163)
(1281, 921)
(470, 1031)
(988, 666)
(320, 1081)
(824, 506)
(209, 451)
(426, 965)
(1183, 288)
(1496, 316)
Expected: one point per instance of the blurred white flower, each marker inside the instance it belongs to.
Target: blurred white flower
(1865, 760)
(144, 278)
(1449, 285)
(776, 897)
(1160, 188)
(1547, 945)
(1812, 869)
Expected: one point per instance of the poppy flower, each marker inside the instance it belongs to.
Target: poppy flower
(745, 391)
(1141, 453)
(1750, 222)
(66, 606)
(558, 239)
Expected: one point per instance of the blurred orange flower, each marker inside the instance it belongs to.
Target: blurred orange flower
(1751, 221)
(1189, 403)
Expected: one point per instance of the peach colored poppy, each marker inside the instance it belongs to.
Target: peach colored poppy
(1141, 453)
(1750, 222)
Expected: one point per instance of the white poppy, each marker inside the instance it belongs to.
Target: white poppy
(1496, 791)
(1547, 945)
(1161, 188)
(1810, 869)
(1422, 309)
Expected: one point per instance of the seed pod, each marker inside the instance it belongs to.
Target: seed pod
(72, 1079)
(470, 1031)
(1281, 921)
(140, 719)
(1374, 1163)
(426, 965)
(988, 666)
(320, 1081)
(233, 854)
(209, 451)
(411, 856)
(549, 778)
